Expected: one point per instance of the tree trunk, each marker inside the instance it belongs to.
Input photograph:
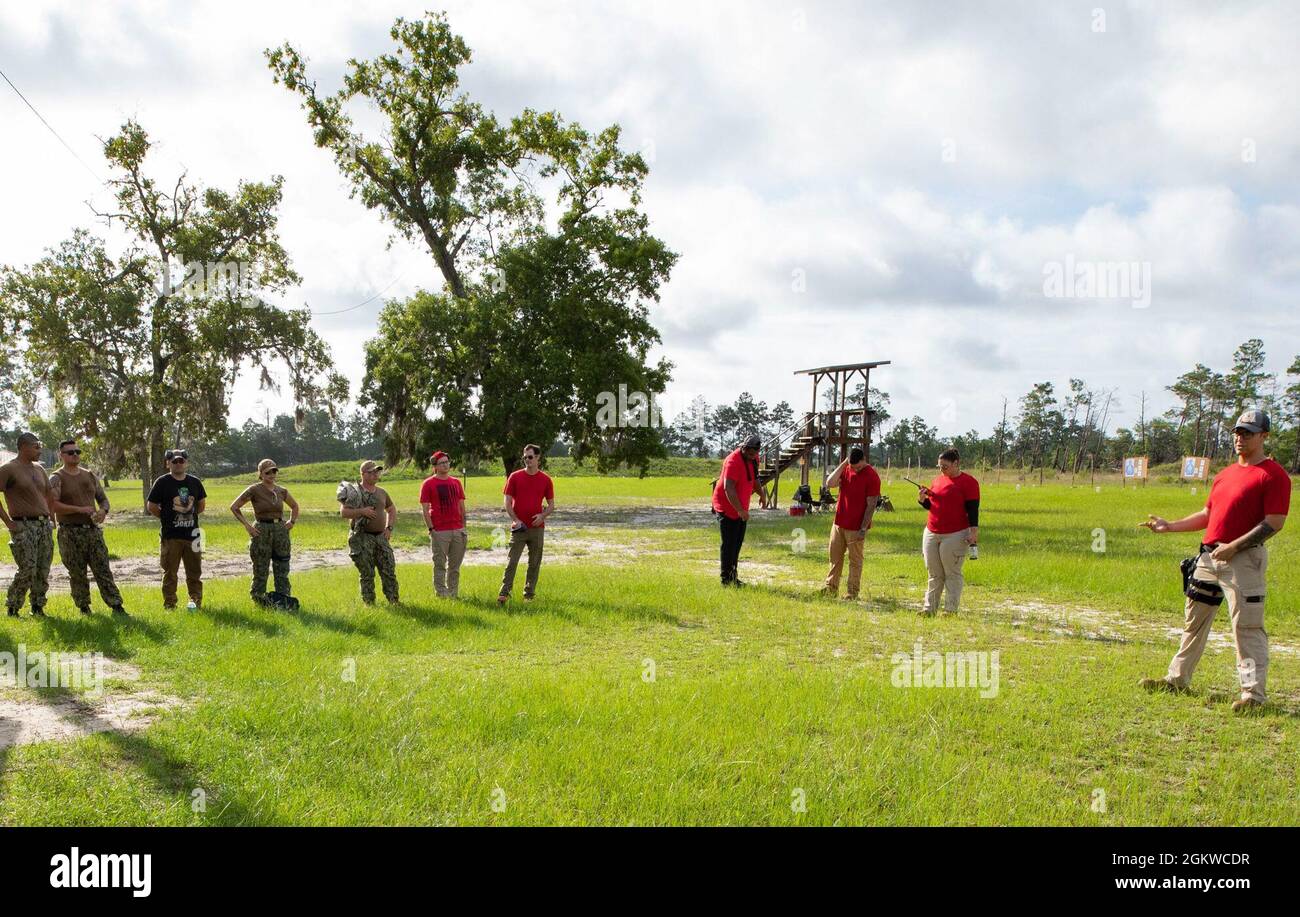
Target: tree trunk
(151, 463)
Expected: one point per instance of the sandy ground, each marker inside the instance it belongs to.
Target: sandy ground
(27, 717)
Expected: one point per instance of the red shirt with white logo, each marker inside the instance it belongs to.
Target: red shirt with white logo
(1242, 495)
(948, 498)
(529, 490)
(855, 487)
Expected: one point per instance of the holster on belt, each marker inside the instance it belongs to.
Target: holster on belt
(1199, 590)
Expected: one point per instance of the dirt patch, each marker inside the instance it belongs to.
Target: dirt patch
(27, 717)
(1107, 626)
(561, 548)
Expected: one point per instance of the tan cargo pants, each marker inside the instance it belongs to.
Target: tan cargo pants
(448, 553)
(845, 540)
(944, 556)
(1242, 582)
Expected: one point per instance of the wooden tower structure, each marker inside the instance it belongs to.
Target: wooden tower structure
(829, 431)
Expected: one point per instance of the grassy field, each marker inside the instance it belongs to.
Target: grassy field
(636, 691)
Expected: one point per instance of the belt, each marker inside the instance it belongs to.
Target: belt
(76, 525)
(1207, 548)
(270, 520)
(28, 518)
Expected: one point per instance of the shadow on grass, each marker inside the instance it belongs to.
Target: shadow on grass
(1287, 708)
(560, 606)
(101, 632)
(169, 774)
(339, 625)
(227, 618)
(437, 617)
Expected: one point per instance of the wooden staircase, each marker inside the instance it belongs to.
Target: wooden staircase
(787, 447)
(787, 456)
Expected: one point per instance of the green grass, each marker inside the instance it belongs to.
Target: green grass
(759, 696)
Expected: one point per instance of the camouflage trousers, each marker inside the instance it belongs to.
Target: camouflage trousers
(33, 549)
(373, 553)
(270, 549)
(82, 546)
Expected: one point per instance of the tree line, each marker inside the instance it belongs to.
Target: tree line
(1070, 429)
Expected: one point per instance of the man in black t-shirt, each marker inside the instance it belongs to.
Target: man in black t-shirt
(177, 499)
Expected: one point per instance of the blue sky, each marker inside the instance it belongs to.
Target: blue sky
(918, 164)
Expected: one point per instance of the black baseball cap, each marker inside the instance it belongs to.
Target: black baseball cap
(753, 442)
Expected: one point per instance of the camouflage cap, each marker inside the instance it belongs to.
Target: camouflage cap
(1253, 421)
(266, 465)
(368, 465)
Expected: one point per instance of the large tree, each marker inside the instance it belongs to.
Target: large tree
(535, 229)
(140, 350)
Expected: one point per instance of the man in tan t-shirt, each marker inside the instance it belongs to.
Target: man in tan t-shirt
(372, 530)
(79, 503)
(26, 515)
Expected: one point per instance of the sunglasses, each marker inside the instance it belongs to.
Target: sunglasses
(178, 460)
(271, 471)
(72, 452)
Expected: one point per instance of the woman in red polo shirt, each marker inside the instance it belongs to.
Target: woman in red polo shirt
(953, 499)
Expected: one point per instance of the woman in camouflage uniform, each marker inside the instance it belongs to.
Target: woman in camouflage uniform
(269, 546)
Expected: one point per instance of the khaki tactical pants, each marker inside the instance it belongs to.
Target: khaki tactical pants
(944, 556)
(842, 540)
(448, 552)
(533, 539)
(82, 546)
(269, 550)
(1242, 582)
(174, 552)
(33, 549)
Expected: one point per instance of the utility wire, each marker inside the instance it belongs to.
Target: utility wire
(50, 128)
(95, 175)
(363, 302)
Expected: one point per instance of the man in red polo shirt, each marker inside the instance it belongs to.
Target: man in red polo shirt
(731, 496)
(524, 492)
(952, 526)
(859, 492)
(1248, 504)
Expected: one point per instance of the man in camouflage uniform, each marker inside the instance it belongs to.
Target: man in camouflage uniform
(24, 484)
(369, 544)
(79, 503)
